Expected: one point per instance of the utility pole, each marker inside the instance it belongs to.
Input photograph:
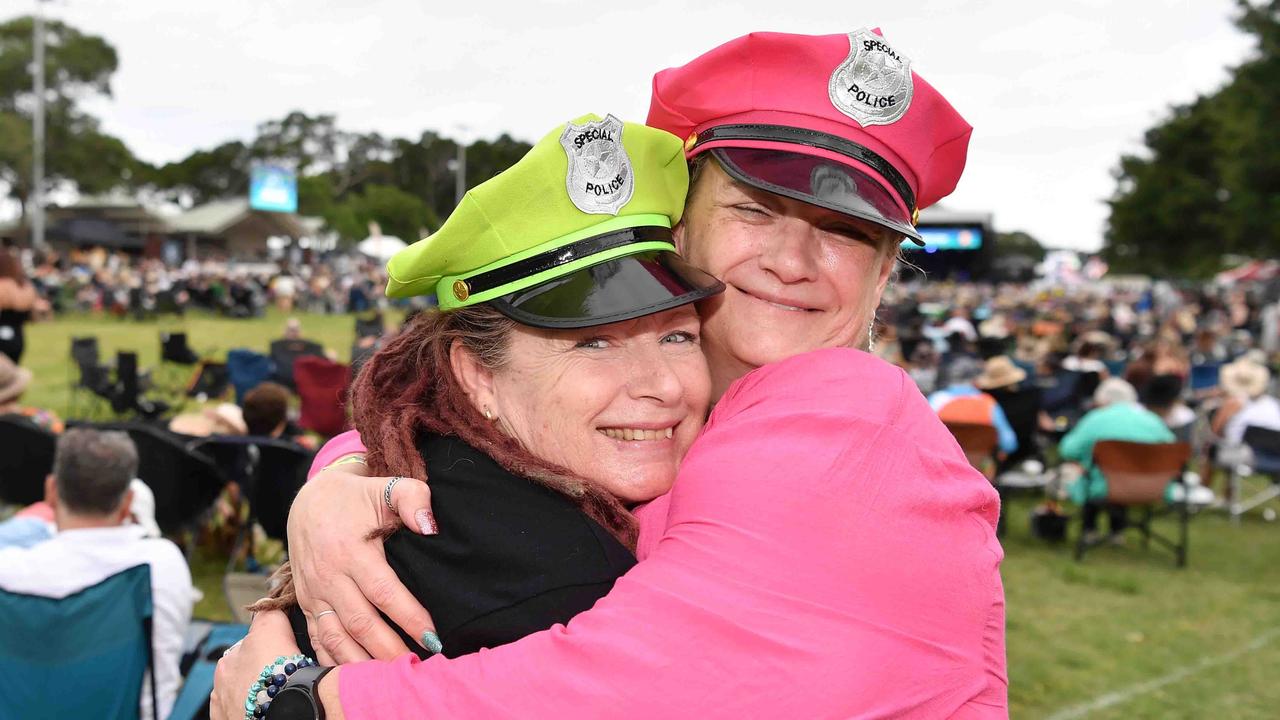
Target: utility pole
(37, 135)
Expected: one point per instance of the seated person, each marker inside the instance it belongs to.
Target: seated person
(1116, 416)
(266, 414)
(1003, 380)
(36, 522)
(1247, 403)
(962, 402)
(1162, 395)
(89, 492)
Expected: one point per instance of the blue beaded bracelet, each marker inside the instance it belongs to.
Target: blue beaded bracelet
(270, 680)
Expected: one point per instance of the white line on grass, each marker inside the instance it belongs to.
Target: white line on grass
(1115, 698)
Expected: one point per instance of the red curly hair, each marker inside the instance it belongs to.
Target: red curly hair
(408, 387)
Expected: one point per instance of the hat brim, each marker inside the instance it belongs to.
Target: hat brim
(820, 181)
(619, 289)
(991, 382)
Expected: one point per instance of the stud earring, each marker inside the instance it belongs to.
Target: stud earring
(487, 415)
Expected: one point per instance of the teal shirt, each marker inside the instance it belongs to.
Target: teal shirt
(1121, 421)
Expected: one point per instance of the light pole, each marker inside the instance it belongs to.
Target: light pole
(37, 134)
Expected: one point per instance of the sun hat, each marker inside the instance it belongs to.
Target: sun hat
(575, 234)
(1246, 378)
(999, 372)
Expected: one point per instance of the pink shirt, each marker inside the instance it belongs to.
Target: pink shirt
(826, 552)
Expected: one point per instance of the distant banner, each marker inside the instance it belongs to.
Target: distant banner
(947, 238)
(273, 188)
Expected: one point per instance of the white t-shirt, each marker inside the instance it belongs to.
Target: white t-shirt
(1262, 412)
(76, 559)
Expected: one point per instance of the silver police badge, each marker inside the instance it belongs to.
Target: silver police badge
(600, 180)
(874, 84)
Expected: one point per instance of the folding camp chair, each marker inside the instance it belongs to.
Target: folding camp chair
(277, 470)
(26, 461)
(1137, 475)
(1265, 446)
(185, 482)
(80, 656)
(247, 370)
(211, 380)
(128, 395)
(979, 445)
(1204, 377)
(283, 355)
(322, 386)
(94, 379)
(192, 702)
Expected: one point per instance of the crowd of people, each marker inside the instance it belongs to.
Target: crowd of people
(96, 280)
(1054, 369)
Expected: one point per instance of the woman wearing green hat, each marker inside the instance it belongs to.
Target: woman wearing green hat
(826, 551)
(565, 335)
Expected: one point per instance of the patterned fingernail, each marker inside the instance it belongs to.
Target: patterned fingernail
(426, 522)
(431, 641)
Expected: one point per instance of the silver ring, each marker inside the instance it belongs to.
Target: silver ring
(322, 613)
(386, 492)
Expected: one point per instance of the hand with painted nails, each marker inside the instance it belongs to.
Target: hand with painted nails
(340, 572)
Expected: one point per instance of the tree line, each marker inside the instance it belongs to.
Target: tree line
(1206, 186)
(348, 178)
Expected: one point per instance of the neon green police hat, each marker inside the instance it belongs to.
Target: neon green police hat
(577, 233)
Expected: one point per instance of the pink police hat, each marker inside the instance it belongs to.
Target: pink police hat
(839, 121)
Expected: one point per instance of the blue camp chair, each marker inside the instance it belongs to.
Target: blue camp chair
(192, 702)
(80, 656)
(248, 370)
(1204, 377)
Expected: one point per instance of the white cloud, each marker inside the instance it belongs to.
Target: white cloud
(1055, 92)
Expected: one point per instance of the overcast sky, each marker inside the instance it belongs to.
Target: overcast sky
(1055, 91)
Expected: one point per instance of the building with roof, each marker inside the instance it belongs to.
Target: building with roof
(231, 228)
(114, 222)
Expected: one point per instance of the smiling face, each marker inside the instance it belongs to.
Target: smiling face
(797, 277)
(617, 404)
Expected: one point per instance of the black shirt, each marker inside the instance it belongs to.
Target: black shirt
(512, 557)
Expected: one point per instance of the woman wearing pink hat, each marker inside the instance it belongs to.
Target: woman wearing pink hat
(826, 550)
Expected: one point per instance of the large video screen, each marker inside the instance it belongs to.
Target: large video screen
(947, 238)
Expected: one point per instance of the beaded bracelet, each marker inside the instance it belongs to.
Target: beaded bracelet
(270, 680)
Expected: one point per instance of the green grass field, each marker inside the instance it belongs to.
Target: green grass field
(1125, 625)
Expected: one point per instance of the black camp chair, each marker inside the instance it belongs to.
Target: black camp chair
(186, 482)
(127, 393)
(279, 475)
(285, 352)
(1265, 445)
(93, 390)
(26, 461)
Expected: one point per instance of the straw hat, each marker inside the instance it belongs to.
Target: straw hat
(1245, 377)
(999, 372)
(225, 419)
(13, 380)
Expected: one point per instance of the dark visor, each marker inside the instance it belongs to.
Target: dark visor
(818, 181)
(612, 291)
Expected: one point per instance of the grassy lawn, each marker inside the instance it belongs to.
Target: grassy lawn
(1123, 618)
